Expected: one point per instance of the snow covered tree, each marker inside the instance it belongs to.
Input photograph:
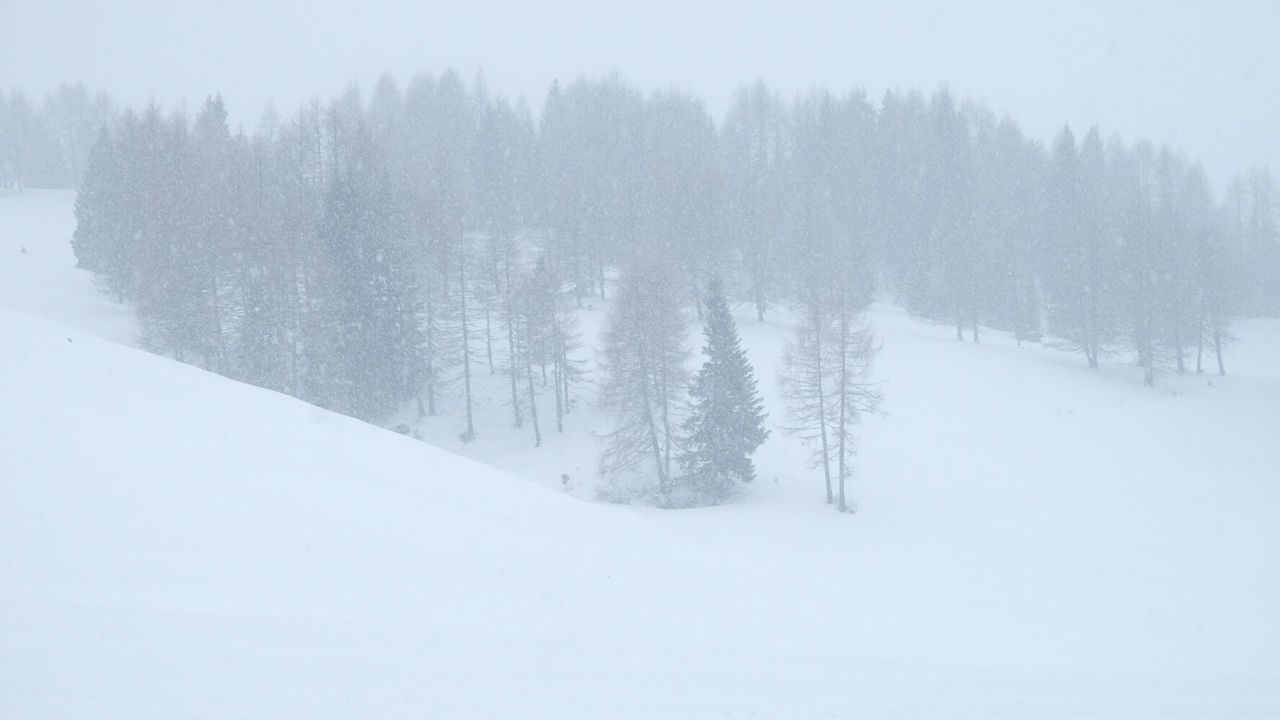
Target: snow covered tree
(680, 187)
(98, 234)
(1216, 268)
(826, 379)
(644, 376)
(826, 375)
(1008, 225)
(375, 303)
(753, 144)
(950, 234)
(1081, 256)
(726, 421)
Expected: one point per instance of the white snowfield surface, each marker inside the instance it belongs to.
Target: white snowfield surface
(1032, 540)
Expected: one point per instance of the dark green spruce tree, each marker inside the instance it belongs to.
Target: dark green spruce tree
(726, 420)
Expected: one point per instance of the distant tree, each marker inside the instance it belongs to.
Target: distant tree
(1207, 272)
(72, 118)
(681, 187)
(644, 376)
(1133, 177)
(753, 146)
(376, 298)
(1177, 257)
(1258, 197)
(953, 247)
(98, 234)
(217, 226)
(826, 377)
(1082, 261)
(726, 419)
(1008, 225)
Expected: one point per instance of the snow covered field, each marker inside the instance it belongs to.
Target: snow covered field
(1032, 540)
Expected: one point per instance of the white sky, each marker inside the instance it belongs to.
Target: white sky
(1198, 75)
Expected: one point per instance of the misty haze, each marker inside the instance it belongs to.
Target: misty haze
(580, 360)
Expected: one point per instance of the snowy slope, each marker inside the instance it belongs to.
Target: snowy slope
(37, 267)
(1033, 540)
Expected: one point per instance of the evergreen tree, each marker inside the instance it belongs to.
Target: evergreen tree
(726, 420)
(374, 301)
(752, 146)
(97, 234)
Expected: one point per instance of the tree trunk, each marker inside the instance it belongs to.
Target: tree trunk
(664, 485)
(470, 433)
(513, 351)
(488, 337)
(666, 420)
(844, 394)
(1200, 353)
(1217, 348)
(561, 371)
(1200, 338)
(564, 378)
(558, 377)
(757, 291)
(431, 350)
(533, 397)
(215, 311)
(822, 407)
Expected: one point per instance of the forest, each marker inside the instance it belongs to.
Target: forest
(370, 254)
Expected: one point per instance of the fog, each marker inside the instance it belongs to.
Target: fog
(1194, 75)
(639, 360)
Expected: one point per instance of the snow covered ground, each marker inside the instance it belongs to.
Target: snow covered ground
(1032, 540)
(38, 271)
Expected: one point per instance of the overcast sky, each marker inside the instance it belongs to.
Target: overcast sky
(1196, 75)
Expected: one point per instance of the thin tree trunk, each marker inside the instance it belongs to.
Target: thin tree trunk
(470, 433)
(757, 288)
(1146, 356)
(564, 379)
(533, 396)
(488, 337)
(1217, 348)
(557, 375)
(561, 374)
(844, 393)
(215, 308)
(822, 407)
(664, 486)
(666, 419)
(431, 350)
(511, 343)
(1200, 350)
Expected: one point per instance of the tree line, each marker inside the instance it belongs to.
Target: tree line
(365, 254)
(46, 145)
